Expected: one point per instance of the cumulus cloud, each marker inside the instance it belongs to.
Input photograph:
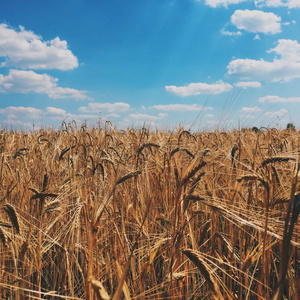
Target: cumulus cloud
(55, 111)
(20, 112)
(17, 123)
(277, 99)
(24, 117)
(146, 117)
(181, 107)
(24, 49)
(275, 114)
(278, 3)
(256, 21)
(251, 109)
(225, 3)
(199, 88)
(248, 84)
(20, 81)
(284, 68)
(289, 50)
(110, 107)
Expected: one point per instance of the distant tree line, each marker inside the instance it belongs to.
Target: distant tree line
(289, 126)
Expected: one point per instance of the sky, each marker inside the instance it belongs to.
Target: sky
(199, 64)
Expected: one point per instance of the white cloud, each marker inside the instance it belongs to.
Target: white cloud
(25, 49)
(24, 117)
(277, 70)
(278, 3)
(113, 115)
(230, 33)
(17, 124)
(256, 21)
(61, 93)
(285, 68)
(181, 107)
(278, 113)
(199, 88)
(214, 123)
(257, 37)
(80, 118)
(146, 117)
(251, 109)
(55, 111)
(84, 117)
(20, 112)
(110, 107)
(277, 99)
(209, 116)
(248, 84)
(225, 3)
(293, 3)
(289, 50)
(19, 81)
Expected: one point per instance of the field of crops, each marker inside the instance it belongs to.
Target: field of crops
(138, 214)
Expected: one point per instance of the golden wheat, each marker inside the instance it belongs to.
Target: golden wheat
(138, 214)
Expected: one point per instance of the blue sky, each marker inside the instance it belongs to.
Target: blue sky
(199, 63)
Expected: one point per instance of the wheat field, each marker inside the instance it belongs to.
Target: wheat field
(103, 213)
